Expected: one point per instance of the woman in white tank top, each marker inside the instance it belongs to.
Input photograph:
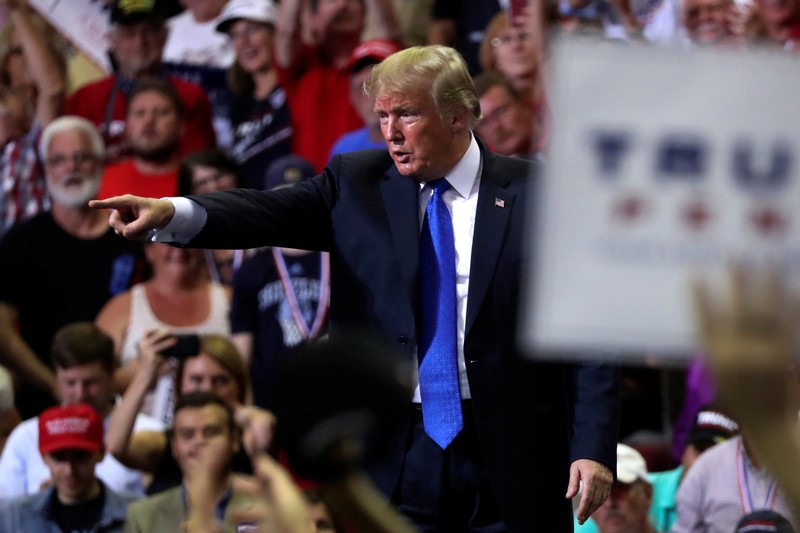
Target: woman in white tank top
(180, 297)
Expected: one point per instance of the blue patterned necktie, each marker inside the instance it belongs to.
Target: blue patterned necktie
(438, 369)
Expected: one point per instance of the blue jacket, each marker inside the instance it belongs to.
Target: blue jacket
(34, 513)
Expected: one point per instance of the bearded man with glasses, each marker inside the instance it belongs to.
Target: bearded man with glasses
(60, 266)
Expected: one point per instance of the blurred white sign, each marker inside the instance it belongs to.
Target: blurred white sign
(83, 22)
(665, 164)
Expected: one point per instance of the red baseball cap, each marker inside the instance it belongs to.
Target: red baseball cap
(374, 50)
(70, 427)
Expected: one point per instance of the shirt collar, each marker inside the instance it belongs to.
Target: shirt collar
(462, 177)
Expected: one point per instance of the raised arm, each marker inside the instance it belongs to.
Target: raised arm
(384, 20)
(45, 68)
(288, 32)
(142, 450)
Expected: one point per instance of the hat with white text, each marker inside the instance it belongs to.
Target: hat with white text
(713, 426)
(631, 466)
(263, 11)
(70, 427)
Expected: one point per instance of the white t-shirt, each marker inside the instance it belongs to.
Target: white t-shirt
(197, 43)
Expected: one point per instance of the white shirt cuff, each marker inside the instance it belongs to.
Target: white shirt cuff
(189, 219)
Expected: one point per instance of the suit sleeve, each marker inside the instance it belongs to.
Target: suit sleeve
(596, 401)
(293, 217)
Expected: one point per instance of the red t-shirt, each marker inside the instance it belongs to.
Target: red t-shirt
(319, 101)
(125, 178)
(91, 102)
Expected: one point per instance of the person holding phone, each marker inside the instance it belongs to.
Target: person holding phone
(208, 363)
(179, 297)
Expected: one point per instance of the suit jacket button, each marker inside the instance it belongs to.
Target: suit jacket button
(402, 339)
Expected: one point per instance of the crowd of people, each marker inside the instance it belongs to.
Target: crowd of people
(255, 177)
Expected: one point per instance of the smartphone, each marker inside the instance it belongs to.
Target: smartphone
(185, 346)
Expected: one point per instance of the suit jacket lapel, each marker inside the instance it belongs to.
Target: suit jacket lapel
(401, 202)
(491, 217)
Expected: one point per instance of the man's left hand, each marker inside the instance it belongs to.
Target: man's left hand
(597, 480)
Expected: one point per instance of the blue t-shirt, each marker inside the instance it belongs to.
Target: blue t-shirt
(355, 140)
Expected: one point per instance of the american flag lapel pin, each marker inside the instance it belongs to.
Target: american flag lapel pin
(499, 203)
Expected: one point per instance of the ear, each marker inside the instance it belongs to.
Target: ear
(458, 120)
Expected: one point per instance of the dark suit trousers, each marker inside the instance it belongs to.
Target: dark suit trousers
(446, 490)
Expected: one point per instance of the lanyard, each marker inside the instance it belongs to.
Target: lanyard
(744, 484)
(291, 295)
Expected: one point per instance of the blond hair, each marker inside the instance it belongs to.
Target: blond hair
(438, 70)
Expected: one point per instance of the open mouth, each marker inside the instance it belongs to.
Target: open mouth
(73, 181)
(401, 157)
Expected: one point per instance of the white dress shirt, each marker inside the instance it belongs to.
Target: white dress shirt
(462, 202)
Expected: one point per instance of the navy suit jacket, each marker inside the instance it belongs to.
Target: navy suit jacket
(533, 418)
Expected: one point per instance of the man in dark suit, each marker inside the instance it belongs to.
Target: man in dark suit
(524, 433)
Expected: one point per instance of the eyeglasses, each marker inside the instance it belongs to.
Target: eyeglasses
(509, 38)
(78, 158)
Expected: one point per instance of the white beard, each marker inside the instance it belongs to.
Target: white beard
(75, 196)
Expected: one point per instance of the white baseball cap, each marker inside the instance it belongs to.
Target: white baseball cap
(255, 10)
(631, 466)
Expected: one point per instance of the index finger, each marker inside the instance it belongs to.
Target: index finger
(585, 508)
(113, 202)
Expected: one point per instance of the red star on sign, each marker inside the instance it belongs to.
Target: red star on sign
(696, 215)
(629, 208)
(768, 220)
